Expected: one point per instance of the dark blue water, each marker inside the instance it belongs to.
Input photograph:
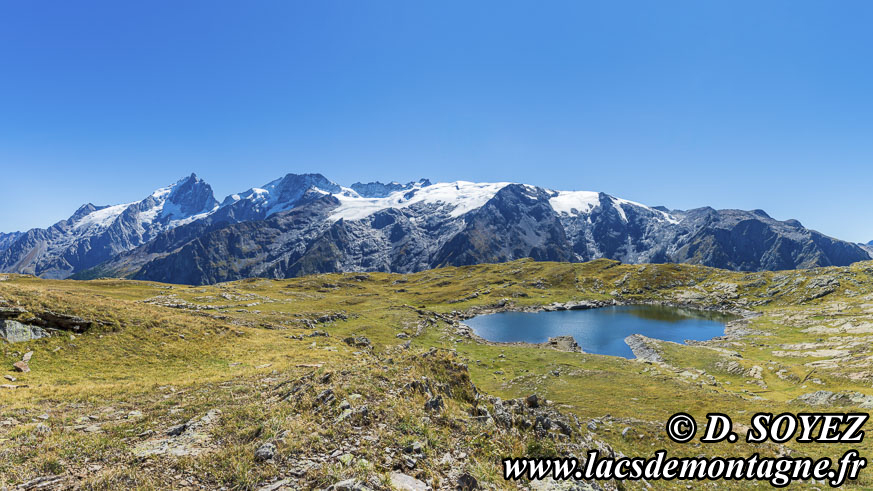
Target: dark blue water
(603, 330)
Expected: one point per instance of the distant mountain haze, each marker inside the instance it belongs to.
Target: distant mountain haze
(305, 223)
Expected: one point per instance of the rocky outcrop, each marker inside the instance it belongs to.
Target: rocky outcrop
(15, 332)
(564, 343)
(828, 398)
(644, 348)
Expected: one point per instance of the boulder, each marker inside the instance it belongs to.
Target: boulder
(357, 342)
(16, 332)
(564, 343)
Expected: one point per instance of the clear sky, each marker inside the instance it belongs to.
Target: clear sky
(730, 104)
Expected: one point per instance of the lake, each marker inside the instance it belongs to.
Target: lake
(601, 331)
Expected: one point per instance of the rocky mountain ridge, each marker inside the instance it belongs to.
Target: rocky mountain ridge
(305, 223)
(94, 234)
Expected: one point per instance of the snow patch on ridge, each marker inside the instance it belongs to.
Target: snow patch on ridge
(457, 198)
(101, 218)
(584, 202)
(575, 202)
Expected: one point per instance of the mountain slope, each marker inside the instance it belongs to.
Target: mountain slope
(422, 225)
(305, 223)
(7, 239)
(94, 234)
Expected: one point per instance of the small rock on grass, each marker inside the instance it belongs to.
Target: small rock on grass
(349, 485)
(466, 482)
(21, 366)
(435, 404)
(265, 452)
(177, 430)
(405, 482)
(532, 401)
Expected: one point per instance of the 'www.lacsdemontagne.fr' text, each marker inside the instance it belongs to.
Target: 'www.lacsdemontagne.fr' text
(779, 472)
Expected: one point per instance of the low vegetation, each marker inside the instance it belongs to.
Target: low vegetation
(365, 378)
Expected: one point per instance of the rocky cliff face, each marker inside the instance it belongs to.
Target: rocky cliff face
(7, 239)
(301, 224)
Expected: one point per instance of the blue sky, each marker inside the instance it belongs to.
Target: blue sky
(730, 104)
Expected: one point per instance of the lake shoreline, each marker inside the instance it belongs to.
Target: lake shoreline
(733, 329)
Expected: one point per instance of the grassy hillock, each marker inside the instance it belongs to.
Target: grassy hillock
(256, 382)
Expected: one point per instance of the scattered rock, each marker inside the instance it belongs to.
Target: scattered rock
(21, 366)
(404, 482)
(349, 485)
(177, 430)
(325, 397)
(357, 342)
(434, 404)
(828, 398)
(532, 401)
(265, 452)
(467, 482)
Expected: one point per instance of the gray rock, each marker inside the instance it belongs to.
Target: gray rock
(16, 332)
(404, 482)
(349, 485)
(434, 404)
(564, 343)
(357, 341)
(643, 348)
(265, 452)
(325, 397)
(828, 398)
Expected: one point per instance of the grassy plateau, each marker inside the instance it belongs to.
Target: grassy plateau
(255, 384)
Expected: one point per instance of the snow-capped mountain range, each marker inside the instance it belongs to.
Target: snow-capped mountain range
(305, 223)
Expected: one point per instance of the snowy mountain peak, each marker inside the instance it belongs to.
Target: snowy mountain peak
(281, 194)
(185, 200)
(190, 196)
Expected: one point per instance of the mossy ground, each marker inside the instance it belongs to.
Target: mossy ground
(174, 352)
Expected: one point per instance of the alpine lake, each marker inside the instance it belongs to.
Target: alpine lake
(602, 330)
